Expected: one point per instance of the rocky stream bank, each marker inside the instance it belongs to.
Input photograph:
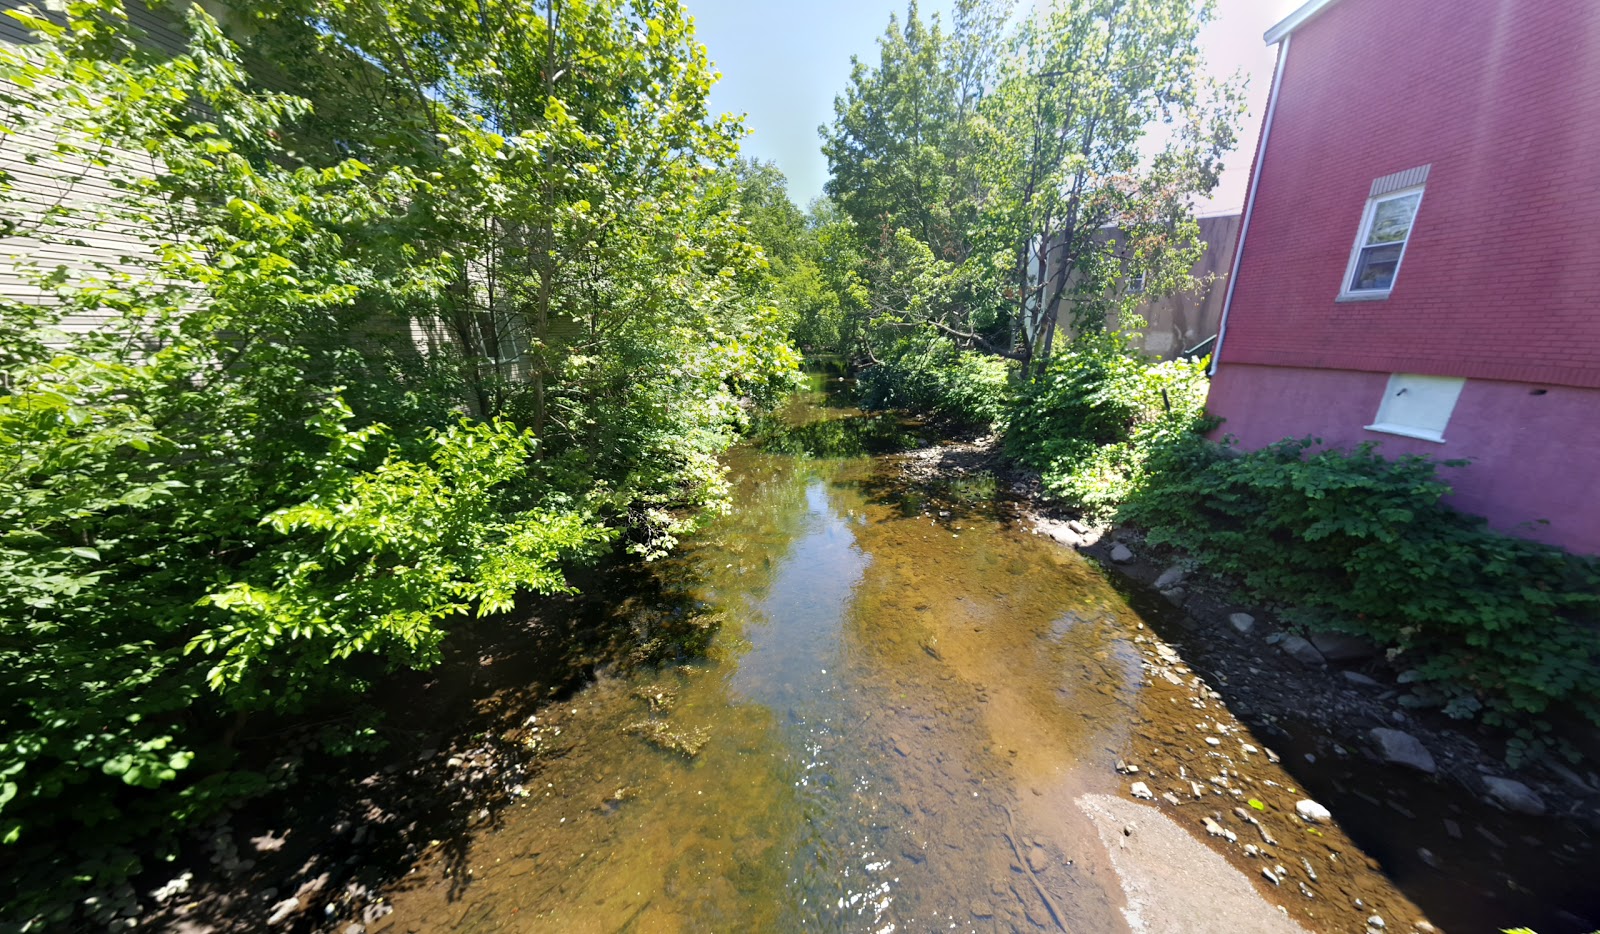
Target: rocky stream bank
(1478, 845)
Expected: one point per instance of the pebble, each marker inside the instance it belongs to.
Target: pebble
(1038, 859)
(1213, 741)
(1356, 677)
(1271, 877)
(1142, 791)
(1217, 830)
(1312, 811)
(1243, 622)
(1375, 922)
(282, 910)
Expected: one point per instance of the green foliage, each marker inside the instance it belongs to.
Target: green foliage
(1488, 625)
(1097, 417)
(928, 374)
(246, 492)
(979, 168)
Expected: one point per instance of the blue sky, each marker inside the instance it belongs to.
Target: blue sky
(783, 61)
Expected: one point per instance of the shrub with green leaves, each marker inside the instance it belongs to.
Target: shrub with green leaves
(928, 374)
(1486, 624)
(245, 494)
(1099, 412)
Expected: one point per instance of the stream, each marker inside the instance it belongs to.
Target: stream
(913, 715)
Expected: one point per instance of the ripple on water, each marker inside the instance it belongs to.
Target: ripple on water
(902, 700)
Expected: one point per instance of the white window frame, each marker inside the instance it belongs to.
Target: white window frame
(1447, 393)
(1346, 293)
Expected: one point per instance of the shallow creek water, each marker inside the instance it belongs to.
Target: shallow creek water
(906, 706)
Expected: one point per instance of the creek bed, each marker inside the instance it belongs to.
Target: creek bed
(913, 716)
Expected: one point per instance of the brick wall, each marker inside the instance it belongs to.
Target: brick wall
(1501, 278)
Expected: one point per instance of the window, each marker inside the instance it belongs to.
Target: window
(1136, 284)
(1386, 224)
(1417, 406)
(1385, 228)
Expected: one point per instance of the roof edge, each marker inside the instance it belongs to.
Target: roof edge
(1296, 19)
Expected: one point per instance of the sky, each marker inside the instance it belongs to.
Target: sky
(784, 61)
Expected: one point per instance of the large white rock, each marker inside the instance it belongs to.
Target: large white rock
(1310, 810)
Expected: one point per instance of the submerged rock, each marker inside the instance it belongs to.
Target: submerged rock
(1121, 554)
(1400, 748)
(1243, 622)
(686, 743)
(1310, 810)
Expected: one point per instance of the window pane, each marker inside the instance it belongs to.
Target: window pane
(1392, 219)
(1375, 268)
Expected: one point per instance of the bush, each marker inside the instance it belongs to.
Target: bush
(1488, 625)
(928, 374)
(1099, 413)
(246, 495)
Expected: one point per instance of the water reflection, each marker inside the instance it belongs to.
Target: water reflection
(901, 700)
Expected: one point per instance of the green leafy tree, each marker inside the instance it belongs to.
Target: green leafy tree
(980, 168)
(248, 493)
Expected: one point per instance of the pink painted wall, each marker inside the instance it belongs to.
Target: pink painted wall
(1501, 278)
(1534, 456)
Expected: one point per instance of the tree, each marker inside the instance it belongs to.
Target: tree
(1083, 86)
(978, 183)
(249, 493)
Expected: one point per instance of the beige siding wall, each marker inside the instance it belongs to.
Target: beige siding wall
(1175, 323)
(1178, 322)
(43, 179)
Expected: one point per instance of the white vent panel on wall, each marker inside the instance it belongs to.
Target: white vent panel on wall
(1418, 406)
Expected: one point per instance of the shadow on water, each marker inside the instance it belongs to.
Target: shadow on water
(458, 745)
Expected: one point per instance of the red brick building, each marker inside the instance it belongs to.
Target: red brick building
(1419, 261)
